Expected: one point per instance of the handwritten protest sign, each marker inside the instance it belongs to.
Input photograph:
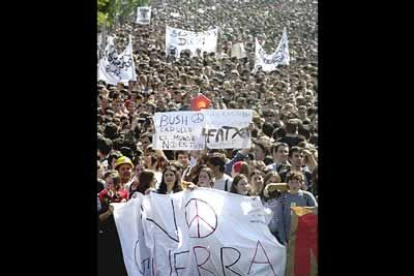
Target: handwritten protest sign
(228, 128)
(177, 40)
(195, 130)
(143, 15)
(179, 130)
(202, 232)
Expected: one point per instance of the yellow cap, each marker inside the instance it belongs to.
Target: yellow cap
(123, 160)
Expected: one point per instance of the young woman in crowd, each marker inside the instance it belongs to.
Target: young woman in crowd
(240, 185)
(205, 178)
(170, 183)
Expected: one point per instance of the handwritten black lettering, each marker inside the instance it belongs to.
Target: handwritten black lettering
(223, 266)
(175, 238)
(200, 265)
(210, 134)
(173, 120)
(175, 261)
(260, 262)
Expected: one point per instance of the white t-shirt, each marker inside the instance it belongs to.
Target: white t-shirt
(220, 184)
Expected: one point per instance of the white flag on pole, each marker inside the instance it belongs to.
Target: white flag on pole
(143, 15)
(279, 57)
(238, 51)
(114, 68)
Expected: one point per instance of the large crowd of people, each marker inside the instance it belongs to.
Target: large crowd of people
(284, 102)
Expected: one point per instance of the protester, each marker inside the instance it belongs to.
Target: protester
(170, 182)
(294, 197)
(257, 184)
(240, 185)
(284, 130)
(216, 163)
(205, 178)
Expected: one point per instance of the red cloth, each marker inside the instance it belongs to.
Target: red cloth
(306, 242)
(237, 166)
(117, 197)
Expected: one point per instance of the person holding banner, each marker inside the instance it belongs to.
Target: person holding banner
(170, 183)
(124, 166)
(109, 248)
(216, 162)
(257, 184)
(205, 178)
(294, 197)
(240, 185)
(146, 181)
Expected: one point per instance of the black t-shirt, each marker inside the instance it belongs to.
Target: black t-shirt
(110, 257)
(100, 187)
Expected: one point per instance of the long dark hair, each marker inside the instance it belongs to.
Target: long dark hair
(145, 179)
(162, 189)
(258, 192)
(236, 181)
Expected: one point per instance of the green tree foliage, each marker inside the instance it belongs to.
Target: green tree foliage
(112, 13)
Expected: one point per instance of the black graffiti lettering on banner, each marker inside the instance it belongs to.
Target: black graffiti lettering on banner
(176, 238)
(176, 129)
(277, 58)
(174, 33)
(144, 267)
(182, 33)
(177, 138)
(261, 262)
(222, 134)
(223, 266)
(144, 13)
(173, 120)
(137, 250)
(116, 70)
(182, 41)
(200, 265)
(172, 145)
(175, 261)
(117, 63)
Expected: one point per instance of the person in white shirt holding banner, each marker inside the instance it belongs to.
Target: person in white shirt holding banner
(216, 162)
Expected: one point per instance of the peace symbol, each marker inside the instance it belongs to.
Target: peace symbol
(197, 118)
(201, 218)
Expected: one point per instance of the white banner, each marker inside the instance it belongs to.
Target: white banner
(143, 15)
(270, 62)
(131, 234)
(114, 68)
(194, 130)
(177, 40)
(200, 232)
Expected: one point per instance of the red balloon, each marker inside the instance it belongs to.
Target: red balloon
(200, 102)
